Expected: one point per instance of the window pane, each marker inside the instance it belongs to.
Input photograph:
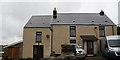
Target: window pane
(90, 44)
(38, 36)
(101, 30)
(101, 27)
(102, 33)
(72, 31)
(72, 27)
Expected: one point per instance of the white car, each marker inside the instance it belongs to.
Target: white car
(80, 52)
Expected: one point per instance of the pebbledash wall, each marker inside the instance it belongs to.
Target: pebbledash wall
(56, 31)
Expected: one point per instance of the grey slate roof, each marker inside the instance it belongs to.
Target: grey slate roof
(69, 18)
(39, 21)
(82, 19)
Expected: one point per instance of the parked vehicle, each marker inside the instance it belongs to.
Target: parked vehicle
(110, 47)
(77, 50)
(80, 52)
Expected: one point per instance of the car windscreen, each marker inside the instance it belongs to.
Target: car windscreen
(114, 43)
(76, 46)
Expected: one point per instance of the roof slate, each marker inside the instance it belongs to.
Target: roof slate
(39, 21)
(82, 19)
(69, 18)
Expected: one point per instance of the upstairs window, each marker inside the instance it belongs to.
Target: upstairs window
(101, 31)
(72, 31)
(38, 36)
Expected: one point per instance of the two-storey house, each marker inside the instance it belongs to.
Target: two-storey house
(45, 33)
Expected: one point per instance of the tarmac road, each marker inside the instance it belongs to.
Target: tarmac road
(95, 58)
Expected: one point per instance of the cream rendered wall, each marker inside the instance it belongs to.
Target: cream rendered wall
(95, 47)
(87, 30)
(60, 36)
(29, 38)
(85, 46)
(108, 30)
(115, 30)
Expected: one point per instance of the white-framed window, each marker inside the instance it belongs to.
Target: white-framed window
(38, 36)
(101, 31)
(72, 41)
(72, 31)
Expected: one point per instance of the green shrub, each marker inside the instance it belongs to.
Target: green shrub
(99, 54)
(29, 58)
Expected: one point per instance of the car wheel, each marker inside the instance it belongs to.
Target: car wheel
(83, 58)
(109, 58)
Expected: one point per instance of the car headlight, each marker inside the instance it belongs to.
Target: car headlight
(82, 53)
(111, 52)
(110, 49)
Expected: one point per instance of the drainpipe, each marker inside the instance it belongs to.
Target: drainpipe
(51, 38)
(97, 36)
(113, 30)
(96, 31)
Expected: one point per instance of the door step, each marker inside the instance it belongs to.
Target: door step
(90, 55)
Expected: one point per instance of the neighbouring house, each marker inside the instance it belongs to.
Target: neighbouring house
(13, 50)
(1, 50)
(45, 33)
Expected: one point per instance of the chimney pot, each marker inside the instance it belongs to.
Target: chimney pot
(54, 13)
(102, 13)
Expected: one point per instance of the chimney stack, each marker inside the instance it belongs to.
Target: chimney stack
(54, 13)
(102, 13)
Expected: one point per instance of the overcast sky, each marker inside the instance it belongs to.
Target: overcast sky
(119, 13)
(14, 15)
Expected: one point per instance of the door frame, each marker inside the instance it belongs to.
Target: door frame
(92, 41)
(40, 47)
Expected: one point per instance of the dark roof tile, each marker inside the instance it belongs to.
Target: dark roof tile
(39, 21)
(82, 18)
(69, 18)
